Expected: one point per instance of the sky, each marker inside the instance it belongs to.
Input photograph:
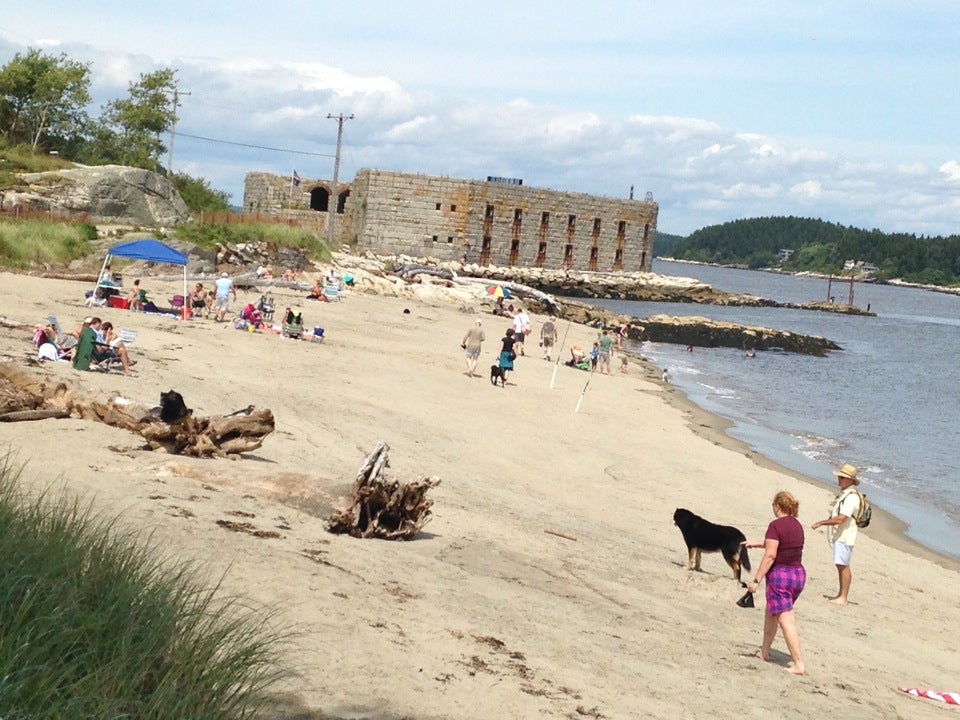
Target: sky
(844, 111)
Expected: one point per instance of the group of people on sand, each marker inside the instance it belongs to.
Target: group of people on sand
(514, 340)
(92, 342)
(781, 567)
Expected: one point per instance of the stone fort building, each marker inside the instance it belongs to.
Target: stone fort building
(498, 221)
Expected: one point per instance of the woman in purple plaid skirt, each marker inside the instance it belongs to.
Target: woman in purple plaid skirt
(782, 567)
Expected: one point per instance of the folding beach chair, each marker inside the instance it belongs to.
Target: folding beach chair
(332, 292)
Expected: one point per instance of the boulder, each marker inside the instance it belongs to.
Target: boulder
(106, 193)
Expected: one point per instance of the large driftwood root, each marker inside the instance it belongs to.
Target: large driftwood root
(25, 397)
(383, 508)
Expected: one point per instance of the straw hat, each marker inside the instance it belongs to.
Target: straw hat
(848, 471)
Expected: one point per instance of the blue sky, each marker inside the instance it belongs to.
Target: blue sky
(844, 111)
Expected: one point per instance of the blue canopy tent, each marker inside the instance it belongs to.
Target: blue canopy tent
(149, 251)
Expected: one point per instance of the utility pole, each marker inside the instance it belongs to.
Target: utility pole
(335, 200)
(173, 128)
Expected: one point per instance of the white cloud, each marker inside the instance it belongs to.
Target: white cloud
(807, 190)
(951, 170)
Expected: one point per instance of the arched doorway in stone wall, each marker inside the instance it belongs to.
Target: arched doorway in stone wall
(320, 199)
(342, 200)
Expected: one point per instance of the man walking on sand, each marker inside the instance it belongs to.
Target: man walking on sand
(842, 529)
(521, 328)
(471, 345)
(224, 289)
(548, 334)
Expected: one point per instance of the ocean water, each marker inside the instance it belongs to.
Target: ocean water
(888, 402)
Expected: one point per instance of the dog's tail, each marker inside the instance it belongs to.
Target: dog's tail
(744, 558)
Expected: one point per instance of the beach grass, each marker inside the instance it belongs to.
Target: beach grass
(92, 625)
(209, 235)
(31, 243)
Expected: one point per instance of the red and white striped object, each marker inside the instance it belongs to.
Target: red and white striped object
(950, 698)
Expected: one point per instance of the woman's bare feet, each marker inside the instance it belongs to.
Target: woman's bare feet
(796, 669)
(837, 600)
(759, 654)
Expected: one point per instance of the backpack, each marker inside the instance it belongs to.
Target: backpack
(863, 516)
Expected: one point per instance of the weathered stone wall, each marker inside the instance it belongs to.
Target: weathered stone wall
(500, 224)
(491, 223)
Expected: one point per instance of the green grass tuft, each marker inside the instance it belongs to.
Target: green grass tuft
(93, 626)
(31, 243)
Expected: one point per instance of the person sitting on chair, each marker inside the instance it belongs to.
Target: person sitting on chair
(317, 293)
(102, 349)
(198, 299)
(138, 297)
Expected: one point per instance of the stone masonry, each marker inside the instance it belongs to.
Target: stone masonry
(489, 222)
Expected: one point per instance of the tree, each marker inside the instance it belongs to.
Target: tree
(42, 96)
(130, 130)
(199, 196)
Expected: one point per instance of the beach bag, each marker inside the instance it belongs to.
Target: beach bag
(864, 515)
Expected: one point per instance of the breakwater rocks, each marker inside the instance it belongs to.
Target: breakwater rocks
(648, 287)
(701, 332)
(638, 286)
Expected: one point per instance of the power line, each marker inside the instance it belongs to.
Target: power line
(256, 147)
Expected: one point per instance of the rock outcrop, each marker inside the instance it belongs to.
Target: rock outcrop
(106, 193)
(701, 332)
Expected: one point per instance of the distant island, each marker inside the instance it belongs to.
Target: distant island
(795, 245)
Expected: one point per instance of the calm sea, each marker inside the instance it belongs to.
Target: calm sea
(889, 402)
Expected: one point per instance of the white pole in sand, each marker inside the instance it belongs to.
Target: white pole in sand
(584, 391)
(553, 378)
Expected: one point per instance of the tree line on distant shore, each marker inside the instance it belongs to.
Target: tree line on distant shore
(43, 111)
(819, 246)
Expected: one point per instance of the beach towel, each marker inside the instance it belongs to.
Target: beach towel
(950, 698)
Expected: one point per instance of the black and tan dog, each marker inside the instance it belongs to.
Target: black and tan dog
(496, 373)
(703, 536)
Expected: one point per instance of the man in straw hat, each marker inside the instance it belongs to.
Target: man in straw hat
(842, 532)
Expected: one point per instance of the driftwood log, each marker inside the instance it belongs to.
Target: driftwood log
(25, 397)
(383, 508)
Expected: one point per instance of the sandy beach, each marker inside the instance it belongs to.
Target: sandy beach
(550, 582)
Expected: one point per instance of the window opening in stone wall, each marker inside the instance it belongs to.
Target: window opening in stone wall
(618, 259)
(646, 231)
(621, 229)
(567, 256)
(488, 214)
(436, 238)
(320, 199)
(544, 219)
(596, 227)
(643, 260)
(453, 208)
(342, 201)
(594, 254)
(541, 254)
(449, 238)
(571, 222)
(514, 252)
(485, 250)
(437, 207)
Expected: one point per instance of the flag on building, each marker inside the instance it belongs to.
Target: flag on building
(296, 179)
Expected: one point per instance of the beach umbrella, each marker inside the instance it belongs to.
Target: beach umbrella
(497, 291)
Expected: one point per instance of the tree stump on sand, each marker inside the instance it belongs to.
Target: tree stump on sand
(383, 508)
(24, 397)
